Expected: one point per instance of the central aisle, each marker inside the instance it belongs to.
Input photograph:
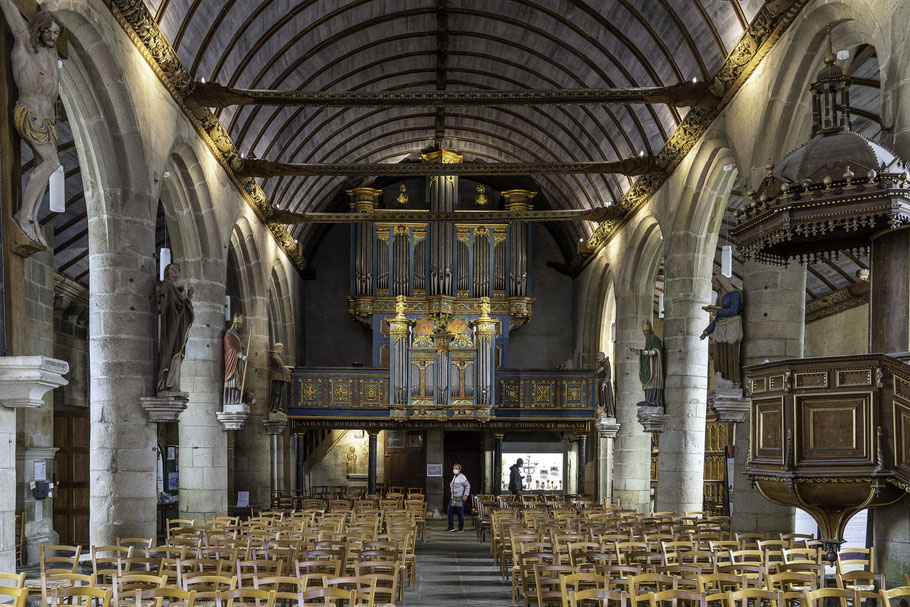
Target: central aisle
(454, 569)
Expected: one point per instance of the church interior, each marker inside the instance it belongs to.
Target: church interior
(445, 302)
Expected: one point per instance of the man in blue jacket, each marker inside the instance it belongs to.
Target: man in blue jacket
(515, 477)
(460, 489)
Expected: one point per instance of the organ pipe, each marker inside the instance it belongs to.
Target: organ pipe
(401, 258)
(363, 200)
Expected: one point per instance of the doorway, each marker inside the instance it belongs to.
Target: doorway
(465, 448)
(405, 459)
(71, 502)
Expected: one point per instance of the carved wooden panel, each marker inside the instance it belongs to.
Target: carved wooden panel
(901, 435)
(833, 428)
(814, 379)
(767, 427)
(854, 377)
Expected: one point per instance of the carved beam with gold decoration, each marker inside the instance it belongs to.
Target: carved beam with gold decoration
(683, 94)
(252, 167)
(599, 214)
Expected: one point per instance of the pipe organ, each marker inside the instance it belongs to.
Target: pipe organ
(440, 297)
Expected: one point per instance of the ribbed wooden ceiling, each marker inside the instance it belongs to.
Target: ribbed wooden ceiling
(452, 45)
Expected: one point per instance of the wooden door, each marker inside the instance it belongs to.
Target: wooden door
(465, 448)
(405, 459)
(71, 498)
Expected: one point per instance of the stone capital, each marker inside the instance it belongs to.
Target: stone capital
(24, 380)
(165, 407)
(233, 416)
(652, 419)
(276, 423)
(729, 404)
(607, 427)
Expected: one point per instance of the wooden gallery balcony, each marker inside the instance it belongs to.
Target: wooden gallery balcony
(345, 397)
(830, 435)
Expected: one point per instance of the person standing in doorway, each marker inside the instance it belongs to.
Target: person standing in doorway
(460, 490)
(515, 477)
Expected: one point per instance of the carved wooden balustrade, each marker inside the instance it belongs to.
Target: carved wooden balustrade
(345, 397)
(830, 435)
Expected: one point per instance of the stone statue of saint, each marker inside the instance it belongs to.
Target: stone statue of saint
(37, 75)
(175, 311)
(603, 375)
(726, 328)
(652, 367)
(352, 460)
(280, 376)
(235, 362)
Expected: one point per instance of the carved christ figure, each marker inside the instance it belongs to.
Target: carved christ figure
(175, 310)
(37, 76)
(234, 363)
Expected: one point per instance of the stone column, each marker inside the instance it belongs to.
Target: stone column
(203, 442)
(435, 487)
(7, 498)
(582, 457)
(774, 314)
(632, 467)
(252, 455)
(35, 426)
(371, 466)
(497, 463)
(607, 429)
(299, 459)
(681, 461)
(489, 465)
(123, 453)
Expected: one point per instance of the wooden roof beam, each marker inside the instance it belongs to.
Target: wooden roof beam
(683, 94)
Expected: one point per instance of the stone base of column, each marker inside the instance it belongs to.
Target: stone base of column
(39, 514)
(233, 416)
(652, 418)
(166, 406)
(24, 380)
(728, 402)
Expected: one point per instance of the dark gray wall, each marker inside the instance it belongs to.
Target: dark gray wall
(548, 339)
(333, 338)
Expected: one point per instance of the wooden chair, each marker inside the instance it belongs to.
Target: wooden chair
(676, 598)
(714, 583)
(861, 581)
(14, 595)
(20, 538)
(901, 596)
(576, 582)
(547, 583)
(866, 560)
(176, 523)
(249, 597)
(208, 586)
(104, 562)
(155, 597)
(329, 596)
(365, 587)
(81, 596)
(597, 597)
(650, 582)
(754, 597)
(125, 587)
(845, 598)
(49, 581)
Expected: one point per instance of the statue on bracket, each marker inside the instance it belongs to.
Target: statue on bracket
(37, 74)
(280, 377)
(235, 362)
(603, 375)
(726, 329)
(175, 311)
(652, 367)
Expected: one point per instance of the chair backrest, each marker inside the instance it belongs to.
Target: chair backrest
(676, 598)
(17, 579)
(18, 594)
(823, 597)
(850, 558)
(365, 587)
(895, 596)
(175, 597)
(82, 596)
(755, 597)
(138, 544)
(59, 558)
(598, 597)
(245, 596)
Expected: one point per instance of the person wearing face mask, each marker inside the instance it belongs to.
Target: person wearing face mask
(460, 490)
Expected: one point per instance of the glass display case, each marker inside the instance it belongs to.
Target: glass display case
(542, 470)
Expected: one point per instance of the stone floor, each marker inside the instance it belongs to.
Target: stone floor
(454, 569)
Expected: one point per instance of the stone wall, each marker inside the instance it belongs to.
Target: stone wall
(844, 333)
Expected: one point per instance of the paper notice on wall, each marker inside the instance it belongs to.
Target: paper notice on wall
(172, 482)
(243, 499)
(434, 469)
(40, 471)
(171, 453)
